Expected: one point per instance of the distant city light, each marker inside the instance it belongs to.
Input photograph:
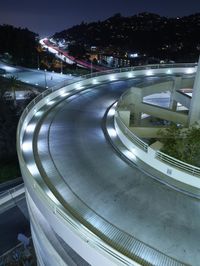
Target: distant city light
(133, 55)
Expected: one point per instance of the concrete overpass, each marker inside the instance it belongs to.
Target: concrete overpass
(82, 193)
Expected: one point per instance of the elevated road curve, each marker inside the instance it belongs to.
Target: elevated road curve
(81, 193)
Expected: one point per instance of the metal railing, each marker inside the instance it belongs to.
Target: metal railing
(137, 141)
(191, 169)
(13, 192)
(10, 197)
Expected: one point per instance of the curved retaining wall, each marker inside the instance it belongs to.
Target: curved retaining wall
(44, 208)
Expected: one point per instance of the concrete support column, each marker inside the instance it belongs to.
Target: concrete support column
(125, 116)
(194, 112)
(137, 99)
(137, 118)
(176, 86)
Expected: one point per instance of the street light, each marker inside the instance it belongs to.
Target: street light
(61, 67)
(38, 62)
(91, 67)
(45, 78)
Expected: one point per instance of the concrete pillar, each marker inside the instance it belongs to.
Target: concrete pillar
(176, 86)
(194, 111)
(125, 116)
(137, 118)
(137, 100)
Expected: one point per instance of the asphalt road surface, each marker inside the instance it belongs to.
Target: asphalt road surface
(78, 158)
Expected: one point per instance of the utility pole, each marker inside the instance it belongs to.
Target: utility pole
(61, 67)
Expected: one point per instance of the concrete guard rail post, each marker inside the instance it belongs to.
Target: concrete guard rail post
(111, 253)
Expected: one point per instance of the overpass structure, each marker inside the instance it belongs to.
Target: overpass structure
(84, 195)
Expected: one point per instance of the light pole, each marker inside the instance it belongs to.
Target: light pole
(38, 61)
(45, 78)
(61, 67)
(91, 67)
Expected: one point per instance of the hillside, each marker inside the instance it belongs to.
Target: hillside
(143, 33)
(18, 45)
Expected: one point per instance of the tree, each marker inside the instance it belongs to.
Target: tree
(183, 144)
(2, 89)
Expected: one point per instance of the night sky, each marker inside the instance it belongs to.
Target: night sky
(46, 17)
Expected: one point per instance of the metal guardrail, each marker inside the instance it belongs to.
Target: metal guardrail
(11, 193)
(193, 170)
(137, 141)
(11, 183)
(129, 246)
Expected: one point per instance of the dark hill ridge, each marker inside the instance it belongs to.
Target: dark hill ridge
(145, 33)
(20, 44)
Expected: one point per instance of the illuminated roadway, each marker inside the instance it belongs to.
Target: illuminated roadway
(71, 146)
(39, 78)
(70, 59)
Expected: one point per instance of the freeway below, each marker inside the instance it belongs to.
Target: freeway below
(72, 147)
(68, 58)
(38, 78)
